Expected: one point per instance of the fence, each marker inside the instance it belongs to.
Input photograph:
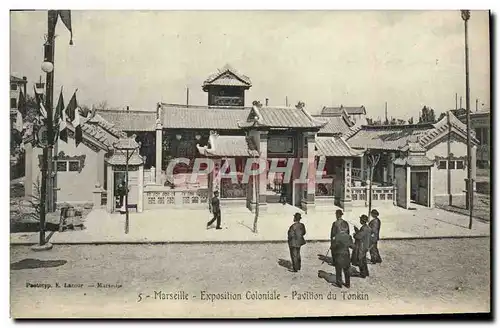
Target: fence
(161, 197)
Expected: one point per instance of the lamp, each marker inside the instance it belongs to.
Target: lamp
(129, 145)
(178, 136)
(197, 136)
(47, 67)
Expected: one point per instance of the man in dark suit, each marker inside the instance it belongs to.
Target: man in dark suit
(215, 209)
(296, 234)
(375, 227)
(340, 252)
(362, 237)
(337, 224)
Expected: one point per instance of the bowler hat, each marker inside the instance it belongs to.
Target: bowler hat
(374, 212)
(297, 216)
(363, 218)
(339, 212)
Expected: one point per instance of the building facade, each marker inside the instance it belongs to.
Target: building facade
(16, 86)
(329, 156)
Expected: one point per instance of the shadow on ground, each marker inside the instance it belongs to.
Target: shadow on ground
(285, 263)
(35, 264)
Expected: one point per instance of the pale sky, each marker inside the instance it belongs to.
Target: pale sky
(324, 58)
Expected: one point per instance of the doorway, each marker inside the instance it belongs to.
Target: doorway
(420, 187)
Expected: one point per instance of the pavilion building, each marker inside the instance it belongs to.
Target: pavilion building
(417, 162)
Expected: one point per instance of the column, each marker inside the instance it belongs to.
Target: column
(140, 189)
(390, 165)
(362, 167)
(262, 179)
(408, 187)
(159, 148)
(431, 186)
(473, 166)
(100, 167)
(109, 190)
(217, 175)
(28, 169)
(346, 197)
(308, 203)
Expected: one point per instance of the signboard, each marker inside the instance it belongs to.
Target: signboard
(280, 145)
(228, 101)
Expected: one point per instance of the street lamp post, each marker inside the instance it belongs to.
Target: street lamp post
(469, 194)
(128, 145)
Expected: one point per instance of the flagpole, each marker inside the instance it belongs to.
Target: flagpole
(49, 57)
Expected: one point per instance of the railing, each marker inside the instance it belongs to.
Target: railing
(160, 196)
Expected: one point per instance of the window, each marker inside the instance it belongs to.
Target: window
(13, 86)
(460, 165)
(442, 165)
(13, 103)
(452, 165)
(74, 166)
(62, 166)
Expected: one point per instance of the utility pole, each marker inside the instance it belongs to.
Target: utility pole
(286, 101)
(386, 121)
(461, 102)
(187, 96)
(456, 100)
(469, 202)
(477, 101)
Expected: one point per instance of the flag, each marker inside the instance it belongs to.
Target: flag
(78, 128)
(73, 113)
(39, 100)
(21, 104)
(61, 119)
(66, 19)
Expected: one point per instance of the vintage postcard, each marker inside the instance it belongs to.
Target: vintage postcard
(249, 164)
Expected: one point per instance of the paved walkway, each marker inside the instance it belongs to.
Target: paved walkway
(189, 226)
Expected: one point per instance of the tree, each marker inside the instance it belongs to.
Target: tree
(373, 159)
(369, 121)
(393, 121)
(410, 120)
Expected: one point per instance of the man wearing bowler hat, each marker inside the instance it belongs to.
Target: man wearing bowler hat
(340, 253)
(362, 236)
(296, 240)
(375, 227)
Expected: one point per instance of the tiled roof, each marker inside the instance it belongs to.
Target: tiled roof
(227, 76)
(281, 117)
(126, 143)
(15, 79)
(413, 161)
(222, 146)
(335, 125)
(390, 137)
(130, 120)
(212, 118)
(98, 130)
(101, 122)
(333, 111)
(413, 147)
(442, 128)
(120, 158)
(334, 146)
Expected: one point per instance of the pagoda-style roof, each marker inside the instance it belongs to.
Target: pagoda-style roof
(126, 143)
(281, 117)
(339, 124)
(229, 146)
(130, 120)
(202, 117)
(227, 76)
(335, 111)
(335, 146)
(397, 137)
(120, 158)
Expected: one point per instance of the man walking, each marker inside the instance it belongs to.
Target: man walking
(215, 209)
(375, 227)
(296, 234)
(340, 252)
(362, 237)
